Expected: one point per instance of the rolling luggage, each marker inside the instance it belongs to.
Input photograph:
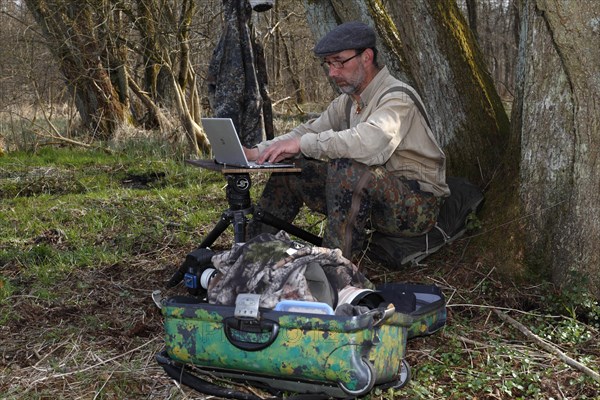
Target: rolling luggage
(307, 351)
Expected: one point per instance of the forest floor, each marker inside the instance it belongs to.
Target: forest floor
(79, 322)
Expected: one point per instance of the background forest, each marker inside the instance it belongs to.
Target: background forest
(144, 45)
(100, 103)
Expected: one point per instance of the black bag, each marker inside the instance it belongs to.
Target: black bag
(465, 198)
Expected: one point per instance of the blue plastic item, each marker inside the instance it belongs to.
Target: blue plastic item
(308, 307)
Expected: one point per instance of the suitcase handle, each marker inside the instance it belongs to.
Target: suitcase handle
(242, 332)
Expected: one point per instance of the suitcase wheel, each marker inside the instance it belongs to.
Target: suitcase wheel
(403, 377)
(367, 379)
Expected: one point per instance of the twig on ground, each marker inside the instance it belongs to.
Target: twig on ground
(483, 306)
(465, 340)
(548, 346)
(103, 385)
(49, 353)
(180, 388)
(73, 142)
(483, 280)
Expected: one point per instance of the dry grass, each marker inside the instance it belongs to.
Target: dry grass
(95, 339)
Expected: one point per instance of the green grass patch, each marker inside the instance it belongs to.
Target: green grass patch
(65, 210)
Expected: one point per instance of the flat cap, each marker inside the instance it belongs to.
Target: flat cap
(349, 35)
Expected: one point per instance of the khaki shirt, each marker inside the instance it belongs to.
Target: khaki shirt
(388, 131)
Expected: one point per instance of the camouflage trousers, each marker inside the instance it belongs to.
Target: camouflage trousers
(354, 197)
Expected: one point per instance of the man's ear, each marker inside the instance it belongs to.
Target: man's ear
(368, 54)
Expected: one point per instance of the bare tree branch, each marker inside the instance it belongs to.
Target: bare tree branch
(549, 347)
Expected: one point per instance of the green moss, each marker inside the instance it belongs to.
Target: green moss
(463, 37)
(502, 240)
(488, 129)
(388, 32)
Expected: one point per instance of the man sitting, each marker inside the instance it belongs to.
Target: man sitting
(370, 160)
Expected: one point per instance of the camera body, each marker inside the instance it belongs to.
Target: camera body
(197, 271)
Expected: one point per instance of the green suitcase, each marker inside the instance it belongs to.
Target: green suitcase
(301, 352)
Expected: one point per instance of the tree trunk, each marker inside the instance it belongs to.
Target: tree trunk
(70, 32)
(449, 70)
(472, 16)
(169, 78)
(93, 47)
(292, 64)
(558, 117)
(263, 84)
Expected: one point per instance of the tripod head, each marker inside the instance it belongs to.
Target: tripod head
(238, 191)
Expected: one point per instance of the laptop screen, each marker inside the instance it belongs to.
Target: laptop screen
(226, 145)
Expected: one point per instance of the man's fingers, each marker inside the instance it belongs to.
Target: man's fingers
(278, 151)
(272, 153)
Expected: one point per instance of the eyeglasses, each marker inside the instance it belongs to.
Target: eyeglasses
(340, 64)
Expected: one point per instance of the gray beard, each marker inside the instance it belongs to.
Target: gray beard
(352, 87)
(348, 89)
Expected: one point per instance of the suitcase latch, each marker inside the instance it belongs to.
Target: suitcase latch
(246, 305)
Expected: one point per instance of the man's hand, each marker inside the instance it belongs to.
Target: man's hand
(251, 154)
(280, 150)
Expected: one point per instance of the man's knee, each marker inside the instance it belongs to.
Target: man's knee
(344, 173)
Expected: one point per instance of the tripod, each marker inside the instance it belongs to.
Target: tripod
(240, 206)
(237, 215)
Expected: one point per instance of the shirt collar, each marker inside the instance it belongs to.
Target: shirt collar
(367, 95)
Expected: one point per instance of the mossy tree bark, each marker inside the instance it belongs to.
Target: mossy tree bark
(558, 117)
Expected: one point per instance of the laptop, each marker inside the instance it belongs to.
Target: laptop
(226, 145)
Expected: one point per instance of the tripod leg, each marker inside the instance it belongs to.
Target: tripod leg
(219, 228)
(239, 226)
(213, 235)
(275, 222)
